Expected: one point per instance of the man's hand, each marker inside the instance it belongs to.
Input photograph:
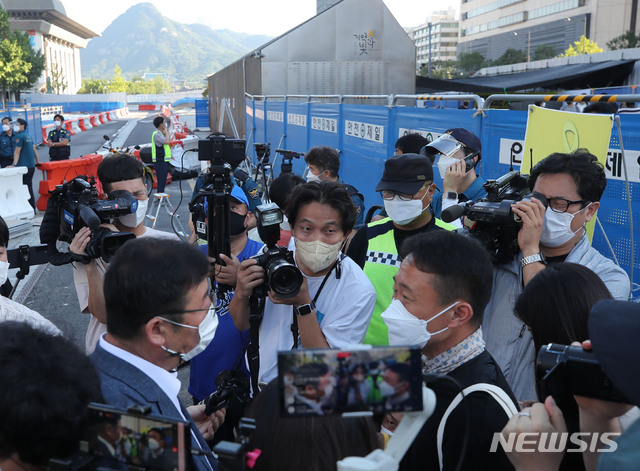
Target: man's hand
(207, 424)
(49, 143)
(301, 298)
(228, 274)
(537, 419)
(454, 177)
(250, 275)
(80, 240)
(532, 215)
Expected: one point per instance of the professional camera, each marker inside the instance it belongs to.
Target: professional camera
(222, 149)
(565, 369)
(287, 159)
(282, 275)
(79, 206)
(491, 219)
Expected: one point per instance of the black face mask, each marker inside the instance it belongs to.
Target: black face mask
(236, 223)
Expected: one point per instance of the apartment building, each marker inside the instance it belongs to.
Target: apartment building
(436, 37)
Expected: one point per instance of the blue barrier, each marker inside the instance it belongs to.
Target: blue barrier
(202, 113)
(34, 121)
(366, 136)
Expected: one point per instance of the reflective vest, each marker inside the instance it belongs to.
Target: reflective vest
(164, 151)
(381, 264)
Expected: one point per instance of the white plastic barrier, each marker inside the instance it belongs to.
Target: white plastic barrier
(76, 126)
(14, 196)
(113, 115)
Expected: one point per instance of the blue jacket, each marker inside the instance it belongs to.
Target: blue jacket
(124, 385)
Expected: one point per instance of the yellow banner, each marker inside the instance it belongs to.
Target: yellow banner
(550, 131)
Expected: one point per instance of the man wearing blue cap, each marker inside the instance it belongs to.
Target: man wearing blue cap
(458, 153)
(226, 350)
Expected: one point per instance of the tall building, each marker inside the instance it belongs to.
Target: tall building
(437, 37)
(493, 26)
(55, 34)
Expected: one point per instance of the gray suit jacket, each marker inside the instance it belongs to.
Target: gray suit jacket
(124, 385)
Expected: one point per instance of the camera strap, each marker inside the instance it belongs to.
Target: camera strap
(253, 349)
(294, 324)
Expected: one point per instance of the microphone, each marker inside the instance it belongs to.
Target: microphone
(455, 212)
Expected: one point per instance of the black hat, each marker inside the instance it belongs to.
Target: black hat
(405, 173)
(614, 329)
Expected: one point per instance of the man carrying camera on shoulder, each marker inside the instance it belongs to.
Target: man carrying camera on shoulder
(335, 301)
(573, 185)
(115, 173)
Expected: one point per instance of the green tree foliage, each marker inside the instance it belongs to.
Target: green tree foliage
(117, 83)
(93, 86)
(627, 40)
(58, 83)
(135, 86)
(443, 70)
(544, 51)
(582, 46)
(470, 62)
(511, 56)
(33, 57)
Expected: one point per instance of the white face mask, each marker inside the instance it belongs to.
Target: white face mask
(16, 128)
(403, 212)
(6, 127)
(386, 389)
(444, 162)
(407, 329)
(556, 229)
(312, 177)
(4, 272)
(206, 330)
(153, 444)
(316, 255)
(387, 431)
(137, 218)
(58, 123)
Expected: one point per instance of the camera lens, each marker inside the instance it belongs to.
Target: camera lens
(285, 279)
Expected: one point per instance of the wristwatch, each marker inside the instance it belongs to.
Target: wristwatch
(538, 257)
(305, 309)
(451, 195)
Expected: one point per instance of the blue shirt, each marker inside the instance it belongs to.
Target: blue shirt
(6, 145)
(227, 347)
(24, 141)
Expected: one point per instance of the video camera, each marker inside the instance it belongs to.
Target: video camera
(282, 274)
(565, 369)
(78, 206)
(491, 219)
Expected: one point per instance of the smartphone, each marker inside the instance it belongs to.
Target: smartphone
(118, 439)
(331, 381)
(470, 161)
(35, 255)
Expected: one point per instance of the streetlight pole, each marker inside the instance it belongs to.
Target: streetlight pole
(529, 47)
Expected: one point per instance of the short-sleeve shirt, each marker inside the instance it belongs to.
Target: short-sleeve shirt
(58, 135)
(6, 145)
(24, 141)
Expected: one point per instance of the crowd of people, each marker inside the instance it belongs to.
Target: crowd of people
(406, 278)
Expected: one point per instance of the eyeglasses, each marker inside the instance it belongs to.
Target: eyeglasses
(561, 205)
(390, 194)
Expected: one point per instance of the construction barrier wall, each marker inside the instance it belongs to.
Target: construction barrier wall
(366, 136)
(32, 117)
(202, 113)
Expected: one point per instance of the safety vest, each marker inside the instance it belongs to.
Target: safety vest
(381, 264)
(164, 151)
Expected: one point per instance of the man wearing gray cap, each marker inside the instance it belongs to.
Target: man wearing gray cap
(458, 153)
(407, 190)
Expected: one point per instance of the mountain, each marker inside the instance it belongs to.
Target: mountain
(142, 40)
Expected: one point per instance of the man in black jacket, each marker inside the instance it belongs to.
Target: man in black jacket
(440, 292)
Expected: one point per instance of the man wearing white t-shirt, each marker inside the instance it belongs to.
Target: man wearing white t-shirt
(335, 302)
(115, 173)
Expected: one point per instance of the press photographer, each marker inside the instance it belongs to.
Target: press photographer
(325, 310)
(573, 185)
(116, 173)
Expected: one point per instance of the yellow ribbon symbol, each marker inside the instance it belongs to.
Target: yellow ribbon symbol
(570, 138)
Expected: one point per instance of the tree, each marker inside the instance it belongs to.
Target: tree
(470, 62)
(58, 82)
(511, 56)
(117, 83)
(14, 69)
(544, 51)
(93, 86)
(582, 46)
(627, 40)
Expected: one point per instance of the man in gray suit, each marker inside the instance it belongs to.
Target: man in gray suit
(158, 317)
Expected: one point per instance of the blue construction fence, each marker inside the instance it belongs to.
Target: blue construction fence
(31, 116)
(202, 113)
(365, 135)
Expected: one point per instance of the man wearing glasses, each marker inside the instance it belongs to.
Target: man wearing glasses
(573, 184)
(157, 320)
(407, 190)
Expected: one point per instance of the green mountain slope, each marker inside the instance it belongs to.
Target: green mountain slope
(142, 40)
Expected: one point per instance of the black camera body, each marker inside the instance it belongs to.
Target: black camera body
(568, 370)
(282, 275)
(218, 148)
(79, 206)
(287, 159)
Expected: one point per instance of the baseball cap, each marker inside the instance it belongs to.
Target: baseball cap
(452, 140)
(405, 173)
(236, 193)
(614, 329)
